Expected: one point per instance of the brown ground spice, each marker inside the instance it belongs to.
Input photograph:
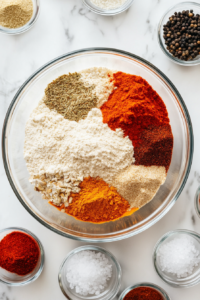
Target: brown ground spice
(15, 13)
(69, 96)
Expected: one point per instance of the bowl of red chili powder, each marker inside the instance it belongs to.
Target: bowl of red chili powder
(21, 256)
(155, 84)
(144, 291)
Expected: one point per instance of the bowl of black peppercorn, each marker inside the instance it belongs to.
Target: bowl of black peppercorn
(179, 33)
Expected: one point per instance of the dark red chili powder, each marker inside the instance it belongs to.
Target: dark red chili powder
(156, 147)
(143, 293)
(134, 106)
(19, 253)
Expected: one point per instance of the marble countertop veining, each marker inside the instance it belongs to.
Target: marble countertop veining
(63, 26)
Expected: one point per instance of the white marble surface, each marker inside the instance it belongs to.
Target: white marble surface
(65, 25)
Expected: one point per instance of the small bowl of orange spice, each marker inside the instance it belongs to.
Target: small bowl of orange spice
(145, 291)
(21, 256)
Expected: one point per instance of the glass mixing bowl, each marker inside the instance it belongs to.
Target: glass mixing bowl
(27, 98)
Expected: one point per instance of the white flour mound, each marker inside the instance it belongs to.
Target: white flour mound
(108, 4)
(87, 148)
(103, 83)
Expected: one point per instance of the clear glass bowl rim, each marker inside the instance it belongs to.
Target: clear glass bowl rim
(144, 284)
(160, 241)
(153, 69)
(110, 12)
(26, 27)
(20, 229)
(160, 42)
(91, 248)
(196, 202)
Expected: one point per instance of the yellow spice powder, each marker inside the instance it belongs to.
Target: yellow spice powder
(15, 13)
(97, 202)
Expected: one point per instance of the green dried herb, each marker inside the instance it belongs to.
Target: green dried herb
(70, 97)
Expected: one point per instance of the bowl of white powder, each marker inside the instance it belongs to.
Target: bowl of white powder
(108, 7)
(27, 100)
(176, 258)
(90, 272)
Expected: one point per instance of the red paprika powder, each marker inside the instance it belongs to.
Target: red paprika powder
(19, 253)
(143, 293)
(134, 107)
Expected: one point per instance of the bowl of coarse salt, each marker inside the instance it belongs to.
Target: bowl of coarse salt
(176, 258)
(108, 7)
(90, 272)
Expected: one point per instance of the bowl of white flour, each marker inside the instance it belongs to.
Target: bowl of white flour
(108, 7)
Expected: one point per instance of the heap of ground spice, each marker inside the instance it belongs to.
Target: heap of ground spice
(134, 106)
(139, 184)
(156, 147)
(70, 97)
(143, 293)
(15, 13)
(19, 253)
(97, 202)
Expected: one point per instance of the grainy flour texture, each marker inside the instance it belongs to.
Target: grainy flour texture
(139, 184)
(108, 4)
(101, 78)
(85, 148)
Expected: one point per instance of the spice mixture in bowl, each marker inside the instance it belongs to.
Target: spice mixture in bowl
(144, 291)
(90, 272)
(99, 144)
(176, 258)
(107, 141)
(21, 257)
(179, 33)
(18, 16)
(108, 7)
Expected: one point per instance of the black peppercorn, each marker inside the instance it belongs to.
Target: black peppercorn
(182, 35)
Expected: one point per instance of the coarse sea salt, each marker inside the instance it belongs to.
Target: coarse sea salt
(88, 272)
(179, 256)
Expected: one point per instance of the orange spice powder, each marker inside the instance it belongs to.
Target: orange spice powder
(97, 202)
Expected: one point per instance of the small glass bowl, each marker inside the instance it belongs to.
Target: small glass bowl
(169, 278)
(144, 284)
(110, 12)
(27, 26)
(113, 284)
(197, 201)
(13, 279)
(177, 8)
